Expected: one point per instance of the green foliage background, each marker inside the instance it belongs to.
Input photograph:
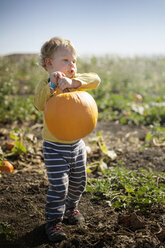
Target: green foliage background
(122, 78)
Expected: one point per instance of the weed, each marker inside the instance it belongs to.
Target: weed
(6, 230)
(156, 136)
(124, 188)
(18, 148)
(106, 155)
(17, 135)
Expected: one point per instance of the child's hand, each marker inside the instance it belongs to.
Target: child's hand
(55, 76)
(65, 82)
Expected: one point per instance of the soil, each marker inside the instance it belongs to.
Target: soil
(22, 196)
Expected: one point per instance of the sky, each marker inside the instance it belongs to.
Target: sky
(96, 27)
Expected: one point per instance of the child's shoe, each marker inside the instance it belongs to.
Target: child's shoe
(54, 231)
(74, 216)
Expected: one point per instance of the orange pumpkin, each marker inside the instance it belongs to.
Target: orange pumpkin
(71, 115)
(6, 166)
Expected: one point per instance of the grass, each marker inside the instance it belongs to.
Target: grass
(124, 188)
(6, 231)
(129, 189)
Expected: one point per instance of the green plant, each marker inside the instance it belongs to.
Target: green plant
(17, 135)
(123, 188)
(17, 147)
(156, 136)
(106, 155)
(6, 230)
(101, 143)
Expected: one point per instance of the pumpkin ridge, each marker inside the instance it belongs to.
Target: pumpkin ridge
(71, 115)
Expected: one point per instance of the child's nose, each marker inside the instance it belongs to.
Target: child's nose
(72, 64)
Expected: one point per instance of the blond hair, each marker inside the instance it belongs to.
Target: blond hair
(50, 47)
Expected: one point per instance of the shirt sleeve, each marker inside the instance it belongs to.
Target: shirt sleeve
(42, 94)
(88, 80)
(43, 90)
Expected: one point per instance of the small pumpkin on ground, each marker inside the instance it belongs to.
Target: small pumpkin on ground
(71, 115)
(6, 166)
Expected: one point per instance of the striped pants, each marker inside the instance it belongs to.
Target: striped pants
(66, 170)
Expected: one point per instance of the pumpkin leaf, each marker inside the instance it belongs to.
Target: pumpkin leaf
(111, 154)
(102, 166)
(88, 170)
(14, 135)
(103, 147)
(19, 148)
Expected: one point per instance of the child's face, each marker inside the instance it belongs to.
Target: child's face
(64, 60)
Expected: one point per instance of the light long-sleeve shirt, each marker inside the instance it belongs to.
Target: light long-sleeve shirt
(43, 93)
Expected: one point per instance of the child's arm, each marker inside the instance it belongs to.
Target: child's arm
(88, 80)
(80, 81)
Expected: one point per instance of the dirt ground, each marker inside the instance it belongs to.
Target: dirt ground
(22, 198)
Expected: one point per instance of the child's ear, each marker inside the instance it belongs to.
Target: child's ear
(48, 62)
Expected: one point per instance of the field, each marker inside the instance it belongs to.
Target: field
(124, 199)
